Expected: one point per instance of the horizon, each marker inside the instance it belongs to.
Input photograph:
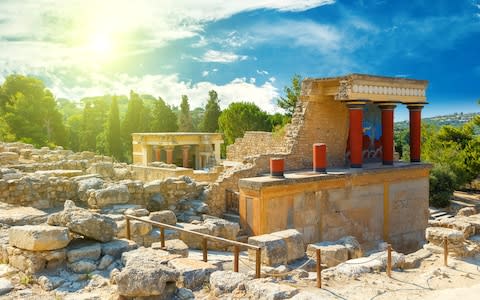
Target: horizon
(246, 51)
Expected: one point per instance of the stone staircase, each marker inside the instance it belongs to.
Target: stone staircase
(438, 214)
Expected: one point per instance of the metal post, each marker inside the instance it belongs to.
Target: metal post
(389, 260)
(162, 237)
(445, 251)
(319, 269)
(235, 259)
(205, 250)
(128, 228)
(258, 262)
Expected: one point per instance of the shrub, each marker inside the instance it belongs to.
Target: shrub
(442, 184)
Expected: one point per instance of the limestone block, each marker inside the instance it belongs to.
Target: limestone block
(413, 260)
(138, 212)
(193, 273)
(193, 241)
(146, 256)
(226, 281)
(8, 158)
(466, 212)
(83, 266)
(38, 237)
(436, 235)
(164, 216)
(332, 254)
(84, 185)
(116, 194)
(82, 221)
(137, 228)
(146, 282)
(5, 286)
(221, 228)
(152, 186)
(116, 247)
(105, 262)
(173, 246)
(83, 249)
(274, 249)
(35, 261)
(265, 288)
(353, 246)
(294, 241)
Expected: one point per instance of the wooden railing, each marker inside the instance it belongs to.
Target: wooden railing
(205, 237)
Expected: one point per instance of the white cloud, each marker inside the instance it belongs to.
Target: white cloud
(205, 73)
(221, 57)
(262, 72)
(309, 34)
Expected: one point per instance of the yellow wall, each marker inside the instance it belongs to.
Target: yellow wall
(388, 204)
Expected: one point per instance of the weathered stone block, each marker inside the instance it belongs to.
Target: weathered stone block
(83, 249)
(294, 241)
(193, 273)
(264, 288)
(38, 237)
(173, 246)
(274, 249)
(164, 216)
(226, 281)
(116, 247)
(35, 261)
(193, 241)
(332, 254)
(84, 222)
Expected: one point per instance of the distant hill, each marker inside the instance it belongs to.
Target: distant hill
(456, 120)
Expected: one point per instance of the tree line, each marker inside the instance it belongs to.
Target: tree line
(30, 113)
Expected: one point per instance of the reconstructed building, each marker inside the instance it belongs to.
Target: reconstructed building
(364, 192)
(197, 150)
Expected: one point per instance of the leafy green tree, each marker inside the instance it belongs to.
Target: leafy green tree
(292, 94)
(31, 112)
(113, 131)
(212, 113)
(74, 127)
(197, 114)
(240, 117)
(136, 120)
(163, 119)
(185, 118)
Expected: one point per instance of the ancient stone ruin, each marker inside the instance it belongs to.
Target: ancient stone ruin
(331, 183)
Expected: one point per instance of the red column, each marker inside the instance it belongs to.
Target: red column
(415, 132)
(356, 135)
(277, 166)
(185, 155)
(169, 151)
(157, 154)
(319, 157)
(387, 133)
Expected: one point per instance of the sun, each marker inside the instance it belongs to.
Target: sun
(100, 45)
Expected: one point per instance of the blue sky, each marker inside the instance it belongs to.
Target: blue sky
(246, 50)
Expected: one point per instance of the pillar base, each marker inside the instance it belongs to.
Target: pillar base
(415, 160)
(277, 175)
(320, 170)
(388, 162)
(355, 165)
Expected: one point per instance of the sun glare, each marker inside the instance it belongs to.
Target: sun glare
(100, 45)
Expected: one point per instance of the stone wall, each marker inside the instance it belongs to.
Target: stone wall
(255, 143)
(316, 120)
(154, 173)
(389, 204)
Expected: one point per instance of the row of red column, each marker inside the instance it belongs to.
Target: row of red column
(169, 154)
(387, 109)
